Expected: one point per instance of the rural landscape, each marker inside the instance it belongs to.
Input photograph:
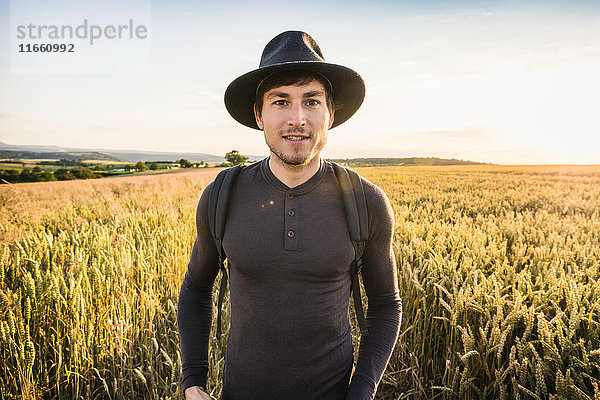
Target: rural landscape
(478, 119)
(498, 269)
(18, 166)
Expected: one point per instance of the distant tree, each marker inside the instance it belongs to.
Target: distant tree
(140, 166)
(128, 167)
(183, 163)
(63, 174)
(46, 176)
(98, 168)
(153, 166)
(10, 176)
(84, 173)
(26, 175)
(234, 157)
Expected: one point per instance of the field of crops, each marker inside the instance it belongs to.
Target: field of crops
(498, 267)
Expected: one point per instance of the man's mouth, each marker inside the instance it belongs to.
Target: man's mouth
(295, 138)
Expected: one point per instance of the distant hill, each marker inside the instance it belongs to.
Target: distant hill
(93, 155)
(57, 152)
(133, 156)
(388, 162)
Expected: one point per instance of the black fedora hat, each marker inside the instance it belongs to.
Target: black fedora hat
(293, 50)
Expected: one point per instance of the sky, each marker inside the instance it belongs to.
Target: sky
(508, 82)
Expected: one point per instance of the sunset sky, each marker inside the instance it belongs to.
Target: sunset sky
(510, 82)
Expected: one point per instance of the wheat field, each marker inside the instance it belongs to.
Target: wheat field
(498, 269)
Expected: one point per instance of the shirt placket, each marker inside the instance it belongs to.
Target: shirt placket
(291, 221)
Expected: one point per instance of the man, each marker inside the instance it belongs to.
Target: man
(288, 247)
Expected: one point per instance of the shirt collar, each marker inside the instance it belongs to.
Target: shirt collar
(305, 187)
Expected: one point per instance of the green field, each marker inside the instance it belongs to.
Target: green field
(19, 164)
(498, 269)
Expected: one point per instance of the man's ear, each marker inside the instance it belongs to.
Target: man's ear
(331, 118)
(258, 118)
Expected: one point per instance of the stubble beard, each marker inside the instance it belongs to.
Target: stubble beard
(298, 159)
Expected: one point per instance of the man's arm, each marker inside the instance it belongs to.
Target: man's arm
(384, 312)
(194, 311)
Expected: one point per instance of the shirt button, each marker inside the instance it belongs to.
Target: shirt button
(291, 213)
(291, 234)
(290, 195)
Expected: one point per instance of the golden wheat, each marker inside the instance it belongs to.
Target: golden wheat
(498, 268)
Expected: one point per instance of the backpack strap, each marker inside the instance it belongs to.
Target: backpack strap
(217, 212)
(355, 205)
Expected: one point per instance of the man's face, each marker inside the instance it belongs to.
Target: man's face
(295, 120)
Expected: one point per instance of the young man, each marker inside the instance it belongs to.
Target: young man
(288, 247)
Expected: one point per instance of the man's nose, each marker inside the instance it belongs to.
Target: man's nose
(297, 115)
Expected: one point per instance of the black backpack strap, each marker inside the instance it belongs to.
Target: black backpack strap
(217, 212)
(355, 205)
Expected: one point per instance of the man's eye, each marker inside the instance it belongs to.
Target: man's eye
(280, 102)
(313, 102)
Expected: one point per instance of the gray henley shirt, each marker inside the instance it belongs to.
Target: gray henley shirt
(290, 258)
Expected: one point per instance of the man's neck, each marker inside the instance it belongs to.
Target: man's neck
(293, 175)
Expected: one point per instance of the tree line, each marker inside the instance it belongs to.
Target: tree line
(37, 174)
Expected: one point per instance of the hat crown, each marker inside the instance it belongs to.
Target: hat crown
(291, 46)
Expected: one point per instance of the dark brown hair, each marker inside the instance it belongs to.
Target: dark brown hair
(297, 77)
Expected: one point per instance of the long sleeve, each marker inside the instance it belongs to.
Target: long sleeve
(194, 311)
(384, 312)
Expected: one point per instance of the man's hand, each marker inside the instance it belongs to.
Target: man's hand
(196, 393)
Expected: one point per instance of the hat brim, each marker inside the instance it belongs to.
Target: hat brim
(348, 90)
